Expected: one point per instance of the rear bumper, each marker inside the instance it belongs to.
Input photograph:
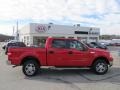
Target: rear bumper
(8, 62)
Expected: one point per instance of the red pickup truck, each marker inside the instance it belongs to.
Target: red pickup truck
(60, 52)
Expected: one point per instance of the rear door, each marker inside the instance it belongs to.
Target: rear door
(57, 53)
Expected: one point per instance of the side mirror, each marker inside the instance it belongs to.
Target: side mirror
(85, 48)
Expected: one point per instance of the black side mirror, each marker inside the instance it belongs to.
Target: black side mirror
(85, 48)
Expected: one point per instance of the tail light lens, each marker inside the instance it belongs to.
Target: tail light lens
(9, 53)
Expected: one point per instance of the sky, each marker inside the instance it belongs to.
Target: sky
(104, 14)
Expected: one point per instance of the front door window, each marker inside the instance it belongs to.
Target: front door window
(73, 44)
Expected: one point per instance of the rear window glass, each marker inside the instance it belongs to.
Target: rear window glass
(59, 43)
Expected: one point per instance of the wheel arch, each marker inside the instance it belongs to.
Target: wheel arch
(28, 58)
(100, 58)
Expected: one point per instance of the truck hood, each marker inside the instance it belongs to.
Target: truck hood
(99, 50)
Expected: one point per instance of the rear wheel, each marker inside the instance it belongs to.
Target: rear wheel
(100, 67)
(30, 68)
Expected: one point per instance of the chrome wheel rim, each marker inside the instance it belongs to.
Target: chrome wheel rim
(30, 69)
(101, 67)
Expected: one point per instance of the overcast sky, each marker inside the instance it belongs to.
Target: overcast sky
(104, 14)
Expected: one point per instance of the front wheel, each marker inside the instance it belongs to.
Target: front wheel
(30, 68)
(100, 67)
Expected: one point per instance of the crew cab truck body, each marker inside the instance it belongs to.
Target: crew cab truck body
(60, 52)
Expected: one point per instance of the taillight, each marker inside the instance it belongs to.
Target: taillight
(9, 53)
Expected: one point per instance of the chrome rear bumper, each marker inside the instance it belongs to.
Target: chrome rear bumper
(8, 62)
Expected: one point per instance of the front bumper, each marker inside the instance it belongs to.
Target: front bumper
(110, 63)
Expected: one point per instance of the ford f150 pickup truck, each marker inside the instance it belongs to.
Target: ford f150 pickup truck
(60, 52)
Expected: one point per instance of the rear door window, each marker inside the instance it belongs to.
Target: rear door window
(57, 43)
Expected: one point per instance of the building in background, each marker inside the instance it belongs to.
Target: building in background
(34, 33)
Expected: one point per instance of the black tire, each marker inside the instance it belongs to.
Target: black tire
(30, 68)
(100, 67)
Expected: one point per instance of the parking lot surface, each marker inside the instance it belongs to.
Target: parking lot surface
(60, 79)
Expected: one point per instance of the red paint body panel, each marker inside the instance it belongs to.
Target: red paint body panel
(18, 54)
(58, 57)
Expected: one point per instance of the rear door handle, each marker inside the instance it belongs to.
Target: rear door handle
(51, 52)
(70, 52)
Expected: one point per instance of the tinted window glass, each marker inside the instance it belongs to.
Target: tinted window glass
(59, 44)
(75, 44)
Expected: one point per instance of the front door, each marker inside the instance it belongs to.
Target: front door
(78, 55)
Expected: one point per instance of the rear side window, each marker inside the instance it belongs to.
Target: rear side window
(58, 43)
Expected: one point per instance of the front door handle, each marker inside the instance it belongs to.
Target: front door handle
(51, 52)
(70, 52)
